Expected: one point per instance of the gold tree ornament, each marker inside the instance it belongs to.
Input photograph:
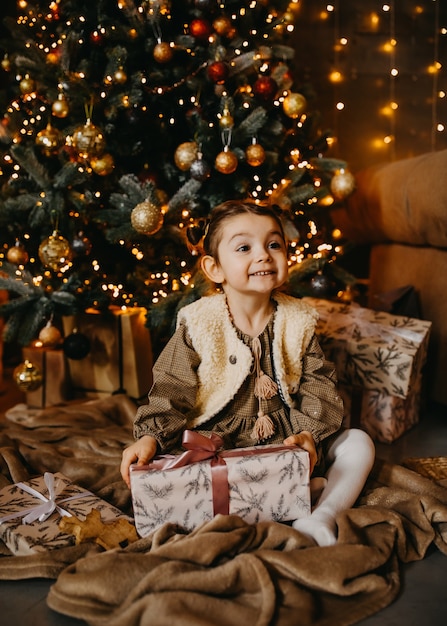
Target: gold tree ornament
(50, 336)
(185, 154)
(55, 251)
(223, 25)
(60, 107)
(88, 140)
(342, 184)
(27, 376)
(120, 76)
(226, 120)
(163, 52)
(27, 85)
(17, 254)
(294, 105)
(226, 161)
(6, 63)
(146, 218)
(102, 165)
(50, 140)
(255, 154)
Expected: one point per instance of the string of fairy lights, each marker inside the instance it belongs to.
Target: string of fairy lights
(382, 18)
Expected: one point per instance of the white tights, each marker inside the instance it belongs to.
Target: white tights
(351, 458)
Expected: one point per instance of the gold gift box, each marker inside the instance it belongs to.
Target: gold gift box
(56, 385)
(120, 358)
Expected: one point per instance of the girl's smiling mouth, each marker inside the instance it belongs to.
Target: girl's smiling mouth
(264, 273)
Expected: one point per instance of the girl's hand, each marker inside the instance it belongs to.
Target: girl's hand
(304, 440)
(140, 452)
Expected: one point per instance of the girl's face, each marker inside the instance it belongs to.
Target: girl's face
(252, 256)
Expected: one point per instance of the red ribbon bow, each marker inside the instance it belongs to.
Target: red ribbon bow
(201, 448)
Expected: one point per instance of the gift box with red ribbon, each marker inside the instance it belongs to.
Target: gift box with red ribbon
(30, 513)
(259, 483)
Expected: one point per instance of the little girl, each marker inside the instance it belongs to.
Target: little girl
(245, 363)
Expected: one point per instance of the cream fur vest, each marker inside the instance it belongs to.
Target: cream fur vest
(226, 361)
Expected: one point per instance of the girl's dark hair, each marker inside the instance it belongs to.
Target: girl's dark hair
(231, 208)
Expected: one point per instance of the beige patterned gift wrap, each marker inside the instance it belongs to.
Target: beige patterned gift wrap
(379, 359)
(30, 513)
(258, 483)
(385, 418)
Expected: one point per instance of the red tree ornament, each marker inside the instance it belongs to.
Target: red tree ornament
(265, 88)
(200, 29)
(218, 72)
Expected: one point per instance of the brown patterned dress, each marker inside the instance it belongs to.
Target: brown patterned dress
(318, 407)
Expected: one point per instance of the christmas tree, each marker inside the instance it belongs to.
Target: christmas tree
(127, 121)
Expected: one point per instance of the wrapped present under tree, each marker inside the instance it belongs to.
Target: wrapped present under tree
(119, 354)
(55, 387)
(30, 513)
(3, 298)
(379, 358)
(259, 483)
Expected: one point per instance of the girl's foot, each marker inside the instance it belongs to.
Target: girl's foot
(319, 526)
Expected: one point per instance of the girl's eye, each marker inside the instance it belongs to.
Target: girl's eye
(243, 248)
(275, 245)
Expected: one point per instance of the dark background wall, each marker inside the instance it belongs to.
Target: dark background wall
(367, 86)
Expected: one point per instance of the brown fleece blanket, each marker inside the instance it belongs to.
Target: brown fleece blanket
(226, 572)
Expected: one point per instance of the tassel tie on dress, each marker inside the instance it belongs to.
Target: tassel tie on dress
(265, 388)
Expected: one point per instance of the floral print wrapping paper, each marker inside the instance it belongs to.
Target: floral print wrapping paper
(269, 485)
(23, 539)
(379, 358)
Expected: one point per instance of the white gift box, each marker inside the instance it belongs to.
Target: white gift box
(259, 483)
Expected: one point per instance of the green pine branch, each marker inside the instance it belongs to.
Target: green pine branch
(27, 159)
(30, 306)
(184, 194)
(251, 125)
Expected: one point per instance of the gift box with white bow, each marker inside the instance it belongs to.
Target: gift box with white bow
(259, 483)
(30, 512)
